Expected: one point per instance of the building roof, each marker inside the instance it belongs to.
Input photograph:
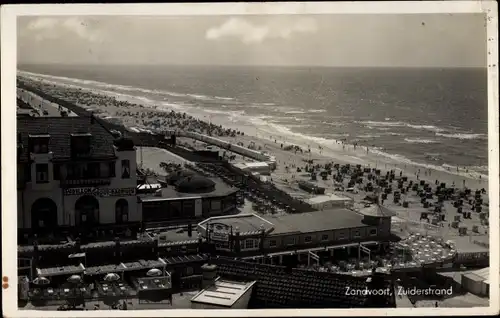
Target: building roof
(308, 222)
(377, 211)
(195, 184)
(251, 165)
(178, 175)
(60, 130)
(464, 245)
(170, 192)
(482, 274)
(277, 287)
(223, 293)
(247, 224)
(318, 199)
(62, 270)
(316, 221)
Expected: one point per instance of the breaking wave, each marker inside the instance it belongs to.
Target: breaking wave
(420, 141)
(388, 124)
(463, 136)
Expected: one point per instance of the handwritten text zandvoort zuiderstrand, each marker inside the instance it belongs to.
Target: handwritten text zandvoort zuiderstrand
(400, 291)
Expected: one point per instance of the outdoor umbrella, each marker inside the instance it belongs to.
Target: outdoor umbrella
(111, 277)
(154, 272)
(74, 279)
(41, 281)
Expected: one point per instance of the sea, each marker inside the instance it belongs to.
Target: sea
(432, 116)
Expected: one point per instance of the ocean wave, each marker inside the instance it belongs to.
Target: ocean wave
(317, 111)
(420, 141)
(443, 168)
(385, 124)
(261, 104)
(299, 126)
(333, 123)
(463, 136)
(295, 112)
(223, 98)
(368, 136)
(331, 144)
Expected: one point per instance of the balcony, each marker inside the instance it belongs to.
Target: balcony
(90, 182)
(41, 157)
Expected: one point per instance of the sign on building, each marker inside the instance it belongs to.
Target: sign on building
(219, 232)
(101, 192)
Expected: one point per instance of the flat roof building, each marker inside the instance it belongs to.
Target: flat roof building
(251, 235)
(188, 197)
(224, 294)
(329, 201)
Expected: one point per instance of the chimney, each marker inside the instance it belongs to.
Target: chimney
(209, 274)
(92, 119)
(190, 230)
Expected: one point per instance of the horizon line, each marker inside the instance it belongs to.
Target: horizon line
(248, 65)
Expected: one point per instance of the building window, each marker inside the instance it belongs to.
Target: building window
(42, 173)
(121, 211)
(105, 172)
(373, 232)
(250, 244)
(57, 171)
(324, 237)
(40, 145)
(188, 208)
(290, 241)
(215, 206)
(272, 243)
(189, 271)
(341, 236)
(94, 170)
(176, 209)
(125, 169)
(308, 239)
(356, 234)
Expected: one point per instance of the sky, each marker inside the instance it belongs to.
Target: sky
(397, 40)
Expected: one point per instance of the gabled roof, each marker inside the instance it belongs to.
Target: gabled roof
(276, 287)
(60, 130)
(377, 211)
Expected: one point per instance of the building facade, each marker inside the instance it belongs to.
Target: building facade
(250, 235)
(188, 197)
(72, 173)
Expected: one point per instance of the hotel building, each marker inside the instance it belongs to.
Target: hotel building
(74, 175)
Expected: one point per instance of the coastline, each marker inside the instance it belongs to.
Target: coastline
(269, 141)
